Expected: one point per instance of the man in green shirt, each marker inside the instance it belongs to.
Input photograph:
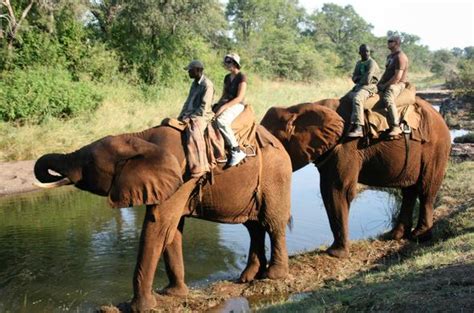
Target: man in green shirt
(365, 77)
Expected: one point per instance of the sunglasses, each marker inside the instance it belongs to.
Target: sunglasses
(389, 41)
(228, 61)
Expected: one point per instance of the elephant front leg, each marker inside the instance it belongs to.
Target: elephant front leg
(150, 249)
(159, 229)
(337, 202)
(257, 261)
(174, 264)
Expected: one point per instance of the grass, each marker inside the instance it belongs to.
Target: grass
(437, 276)
(129, 109)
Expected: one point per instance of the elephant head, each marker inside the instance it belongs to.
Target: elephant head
(126, 168)
(307, 130)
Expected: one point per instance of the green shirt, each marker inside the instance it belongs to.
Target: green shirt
(366, 72)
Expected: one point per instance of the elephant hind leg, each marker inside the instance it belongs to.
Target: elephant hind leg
(173, 256)
(404, 222)
(430, 182)
(257, 261)
(278, 267)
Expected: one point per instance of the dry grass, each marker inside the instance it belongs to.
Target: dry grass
(128, 109)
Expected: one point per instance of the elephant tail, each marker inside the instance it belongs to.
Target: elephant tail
(290, 223)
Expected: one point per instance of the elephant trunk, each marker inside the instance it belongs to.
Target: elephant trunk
(52, 162)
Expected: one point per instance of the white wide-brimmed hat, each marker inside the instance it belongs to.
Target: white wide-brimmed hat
(235, 57)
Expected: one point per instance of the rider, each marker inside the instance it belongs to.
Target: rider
(393, 82)
(365, 77)
(196, 113)
(231, 104)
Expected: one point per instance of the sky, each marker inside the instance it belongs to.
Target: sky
(440, 24)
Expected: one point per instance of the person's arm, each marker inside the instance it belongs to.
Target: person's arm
(240, 97)
(402, 66)
(355, 74)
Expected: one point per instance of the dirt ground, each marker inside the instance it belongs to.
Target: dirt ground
(16, 177)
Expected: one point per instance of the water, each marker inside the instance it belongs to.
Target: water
(457, 133)
(66, 250)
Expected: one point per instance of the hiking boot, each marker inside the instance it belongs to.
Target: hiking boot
(236, 157)
(356, 131)
(394, 131)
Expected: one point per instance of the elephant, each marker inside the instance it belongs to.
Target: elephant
(149, 168)
(314, 133)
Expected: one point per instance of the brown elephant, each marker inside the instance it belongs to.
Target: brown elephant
(149, 168)
(313, 132)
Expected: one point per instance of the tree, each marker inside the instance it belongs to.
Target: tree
(14, 23)
(341, 29)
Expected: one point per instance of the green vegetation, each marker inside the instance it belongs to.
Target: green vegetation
(431, 277)
(467, 138)
(85, 48)
(38, 94)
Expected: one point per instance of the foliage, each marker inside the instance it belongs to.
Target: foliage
(38, 94)
(462, 78)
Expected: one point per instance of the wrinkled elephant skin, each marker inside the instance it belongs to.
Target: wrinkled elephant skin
(149, 168)
(313, 133)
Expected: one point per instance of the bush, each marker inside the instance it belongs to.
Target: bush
(467, 138)
(36, 94)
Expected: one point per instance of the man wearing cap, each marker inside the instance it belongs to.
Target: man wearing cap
(365, 77)
(393, 82)
(196, 113)
(201, 93)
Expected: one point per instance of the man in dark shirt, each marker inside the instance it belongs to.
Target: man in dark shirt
(393, 82)
(365, 77)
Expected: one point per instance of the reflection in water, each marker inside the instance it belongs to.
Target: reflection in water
(67, 250)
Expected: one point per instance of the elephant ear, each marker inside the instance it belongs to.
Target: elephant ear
(150, 175)
(315, 130)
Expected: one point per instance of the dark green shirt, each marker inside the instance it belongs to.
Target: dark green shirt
(366, 72)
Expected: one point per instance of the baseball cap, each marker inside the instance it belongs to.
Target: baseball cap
(194, 64)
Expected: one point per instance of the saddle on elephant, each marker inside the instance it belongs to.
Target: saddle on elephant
(376, 115)
(213, 147)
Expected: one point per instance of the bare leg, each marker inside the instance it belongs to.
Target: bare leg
(174, 264)
(405, 219)
(257, 262)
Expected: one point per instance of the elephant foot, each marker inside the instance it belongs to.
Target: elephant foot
(400, 232)
(144, 303)
(251, 273)
(422, 234)
(277, 271)
(338, 252)
(177, 290)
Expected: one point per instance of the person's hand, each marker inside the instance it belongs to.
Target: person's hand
(219, 112)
